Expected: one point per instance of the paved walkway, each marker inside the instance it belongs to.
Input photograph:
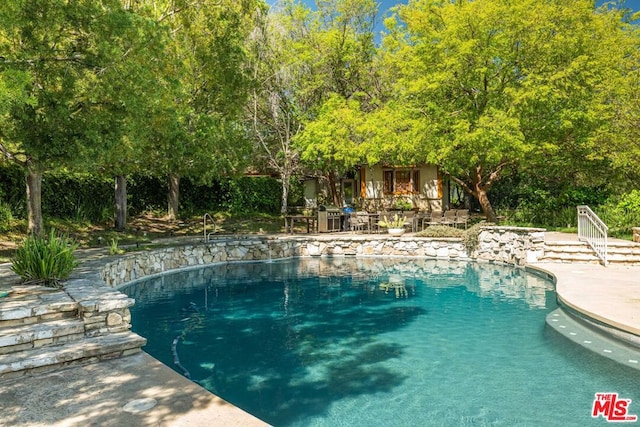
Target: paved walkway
(609, 294)
(110, 393)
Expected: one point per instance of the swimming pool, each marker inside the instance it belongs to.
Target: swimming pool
(371, 342)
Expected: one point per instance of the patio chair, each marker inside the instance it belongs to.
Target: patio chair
(374, 219)
(359, 221)
(409, 221)
(462, 217)
(449, 217)
(435, 218)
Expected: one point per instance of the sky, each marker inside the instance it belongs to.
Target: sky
(385, 5)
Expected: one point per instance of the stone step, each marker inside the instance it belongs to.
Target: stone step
(27, 305)
(53, 332)
(88, 350)
(572, 251)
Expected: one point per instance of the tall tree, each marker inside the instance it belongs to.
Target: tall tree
(488, 84)
(321, 52)
(621, 143)
(59, 64)
(197, 130)
(276, 105)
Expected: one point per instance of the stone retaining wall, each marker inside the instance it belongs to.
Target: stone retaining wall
(636, 234)
(511, 245)
(103, 310)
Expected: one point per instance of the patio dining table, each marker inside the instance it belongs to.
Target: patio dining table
(289, 221)
(371, 221)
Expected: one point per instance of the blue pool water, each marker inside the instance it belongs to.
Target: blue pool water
(368, 342)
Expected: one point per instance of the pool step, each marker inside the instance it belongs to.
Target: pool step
(622, 253)
(613, 344)
(53, 357)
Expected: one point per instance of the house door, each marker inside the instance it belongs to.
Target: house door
(349, 191)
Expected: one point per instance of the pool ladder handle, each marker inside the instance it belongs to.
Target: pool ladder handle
(206, 236)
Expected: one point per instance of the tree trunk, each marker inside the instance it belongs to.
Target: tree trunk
(121, 203)
(173, 196)
(34, 202)
(485, 204)
(285, 193)
(335, 195)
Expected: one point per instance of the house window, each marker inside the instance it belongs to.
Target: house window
(401, 181)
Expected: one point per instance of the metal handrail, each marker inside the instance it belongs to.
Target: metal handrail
(592, 230)
(204, 227)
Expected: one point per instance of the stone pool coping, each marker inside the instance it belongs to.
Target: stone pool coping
(607, 295)
(107, 386)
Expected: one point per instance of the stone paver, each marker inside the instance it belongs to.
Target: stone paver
(106, 394)
(609, 294)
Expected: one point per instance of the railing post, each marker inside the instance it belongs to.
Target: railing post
(592, 230)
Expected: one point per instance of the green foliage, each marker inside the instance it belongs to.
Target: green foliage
(84, 197)
(397, 221)
(440, 231)
(202, 88)
(46, 261)
(621, 213)
(332, 139)
(403, 205)
(114, 249)
(237, 195)
(469, 236)
(530, 215)
(549, 200)
(5, 217)
(486, 86)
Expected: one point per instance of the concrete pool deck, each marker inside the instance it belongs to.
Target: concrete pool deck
(98, 394)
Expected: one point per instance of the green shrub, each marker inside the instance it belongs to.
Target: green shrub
(471, 236)
(621, 213)
(5, 217)
(45, 260)
(114, 249)
(440, 231)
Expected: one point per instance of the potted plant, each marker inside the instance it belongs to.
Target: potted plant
(402, 205)
(394, 226)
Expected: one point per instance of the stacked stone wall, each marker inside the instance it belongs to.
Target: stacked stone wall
(510, 245)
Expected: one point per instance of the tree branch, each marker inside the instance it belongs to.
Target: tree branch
(13, 157)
